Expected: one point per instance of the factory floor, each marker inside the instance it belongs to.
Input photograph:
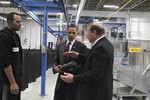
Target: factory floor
(34, 90)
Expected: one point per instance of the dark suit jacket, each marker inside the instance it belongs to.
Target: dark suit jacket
(96, 79)
(60, 58)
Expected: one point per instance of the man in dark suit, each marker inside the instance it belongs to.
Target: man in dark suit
(65, 91)
(96, 78)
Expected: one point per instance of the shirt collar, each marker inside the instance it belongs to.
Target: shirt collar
(72, 42)
(98, 39)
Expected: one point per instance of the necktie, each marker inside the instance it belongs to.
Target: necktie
(67, 47)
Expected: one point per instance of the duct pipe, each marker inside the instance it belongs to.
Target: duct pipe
(80, 8)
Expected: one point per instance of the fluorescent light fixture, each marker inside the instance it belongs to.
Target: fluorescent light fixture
(29, 18)
(58, 13)
(3, 18)
(96, 20)
(5, 2)
(75, 5)
(110, 6)
(68, 5)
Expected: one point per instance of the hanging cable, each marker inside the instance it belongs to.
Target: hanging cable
(118, 10)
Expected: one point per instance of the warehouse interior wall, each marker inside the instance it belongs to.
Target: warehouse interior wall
(31, 34)
(138, 28)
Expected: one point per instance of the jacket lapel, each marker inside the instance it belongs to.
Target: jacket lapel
(74, 46)
(62, 50)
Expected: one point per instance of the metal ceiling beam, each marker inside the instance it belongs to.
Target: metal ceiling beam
(81, 6)
(65, 10)
(100, 1)
(49, 9)
(137, 4)
(101, 4)
(87, 13)
(31, 14)
(10, 9)
(88, 4)
(147, 9)
(29, 7)
(40, 4)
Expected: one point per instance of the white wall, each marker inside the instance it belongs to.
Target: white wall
(31, 34)
(34, 34)
(2, 24)
(138, 28)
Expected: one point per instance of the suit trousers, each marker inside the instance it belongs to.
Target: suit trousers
(66, 92)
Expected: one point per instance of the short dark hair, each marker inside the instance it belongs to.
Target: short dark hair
(99, 29)
(72, 26)
(10, 16)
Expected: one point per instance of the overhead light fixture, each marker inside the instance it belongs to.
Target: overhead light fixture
(58, 13)
(95, 20)
(3, 18)
(110, 6)
(68, 5)
(5, 2)
(29, 18)
(75, 5)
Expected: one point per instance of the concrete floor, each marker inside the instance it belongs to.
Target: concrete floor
(33, 92)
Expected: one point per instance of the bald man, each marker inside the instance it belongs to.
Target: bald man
(96, 79)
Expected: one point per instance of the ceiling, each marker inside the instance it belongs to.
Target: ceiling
(97, 5)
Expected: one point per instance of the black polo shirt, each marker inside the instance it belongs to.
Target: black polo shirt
(10, 54)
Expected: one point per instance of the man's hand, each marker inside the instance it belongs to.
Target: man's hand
(14, 89)
(57, 69)
(71, 54)
(67, 77)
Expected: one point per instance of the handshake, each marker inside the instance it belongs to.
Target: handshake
(65, 67)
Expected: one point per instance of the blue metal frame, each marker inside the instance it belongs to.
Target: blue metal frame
(64, 10)
(113, 25)
(28, 6)
(31, 14)
(44, 53)
(40, 4)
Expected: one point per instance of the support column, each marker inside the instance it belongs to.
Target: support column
(44, 52)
